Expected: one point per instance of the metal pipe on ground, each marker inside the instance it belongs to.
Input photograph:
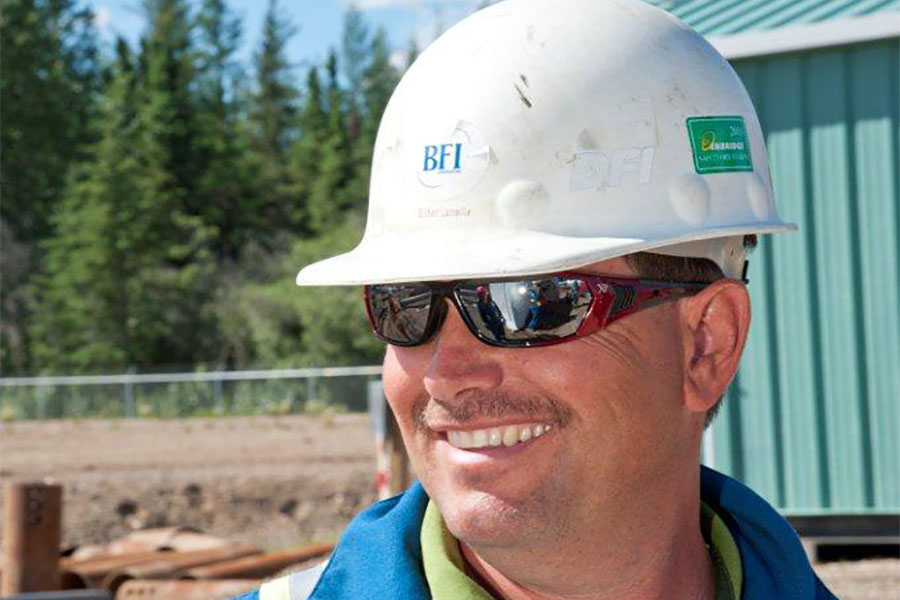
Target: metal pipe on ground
(258, 566)
(90, 572)
(63, 595)
(32, 532)
(170, 563)
(185, 590)
(162, 539)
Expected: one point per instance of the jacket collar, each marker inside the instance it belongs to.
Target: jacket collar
(380, 556)
(775, 565)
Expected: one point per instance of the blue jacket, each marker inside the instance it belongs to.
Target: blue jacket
(379, 555)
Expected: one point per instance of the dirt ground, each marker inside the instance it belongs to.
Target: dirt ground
(277, 482)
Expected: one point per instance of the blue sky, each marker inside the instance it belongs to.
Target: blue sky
(318, 21)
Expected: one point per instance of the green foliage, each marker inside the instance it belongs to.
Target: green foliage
(226, 197)
(285, 326)
(327, 200)
(72, 294)
(275, 97)
(273, 127)
(379, 80)
(129, 271)
(50, 77)
(171, 232)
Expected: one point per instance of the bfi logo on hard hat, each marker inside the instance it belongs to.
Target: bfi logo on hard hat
(450, 160)
(437, 157)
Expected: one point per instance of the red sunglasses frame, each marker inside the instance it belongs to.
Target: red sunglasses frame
(612, 298)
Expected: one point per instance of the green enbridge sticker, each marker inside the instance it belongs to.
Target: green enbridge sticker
(719, 144)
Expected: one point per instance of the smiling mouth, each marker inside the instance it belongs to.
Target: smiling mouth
(492, 437)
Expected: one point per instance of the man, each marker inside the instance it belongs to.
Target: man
(601, 156)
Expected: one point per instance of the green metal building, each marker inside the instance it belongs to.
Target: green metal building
(812, 421)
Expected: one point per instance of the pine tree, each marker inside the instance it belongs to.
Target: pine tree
(273, 121)
(130, 274)
(355, 53)
(225, 199)
(47, 98)
(412, 52)
(50, 79)
(346, 154)
(168, 111)
(378, 83)
(275, 99)
(327, 194)
(381, 77)
(220, 73)
(82, 319)
(306, 152)
(171, 278)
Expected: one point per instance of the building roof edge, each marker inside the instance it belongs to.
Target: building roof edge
(838, 32)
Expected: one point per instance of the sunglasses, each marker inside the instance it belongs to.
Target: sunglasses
(514, 313)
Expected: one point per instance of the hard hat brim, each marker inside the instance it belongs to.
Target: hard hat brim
(448, 255)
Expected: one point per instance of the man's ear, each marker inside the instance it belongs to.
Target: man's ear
(717, 321)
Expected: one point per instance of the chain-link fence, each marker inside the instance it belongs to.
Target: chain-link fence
(170, 395)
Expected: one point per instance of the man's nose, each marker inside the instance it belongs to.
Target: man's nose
(459, 362)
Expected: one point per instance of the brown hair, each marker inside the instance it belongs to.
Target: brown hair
(679, 268)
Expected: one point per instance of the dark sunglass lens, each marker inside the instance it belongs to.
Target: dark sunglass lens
(400, 312)
(527, 312)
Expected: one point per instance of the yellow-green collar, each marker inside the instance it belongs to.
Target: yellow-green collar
(443, 561)
(724, 552)
(446, 575)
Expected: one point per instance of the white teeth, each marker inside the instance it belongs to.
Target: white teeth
(510, 435)
(465, 439)
(479, 438)
(496, 436)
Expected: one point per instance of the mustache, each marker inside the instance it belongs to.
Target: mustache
(476, 404)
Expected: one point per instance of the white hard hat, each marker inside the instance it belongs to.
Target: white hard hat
(539, 136)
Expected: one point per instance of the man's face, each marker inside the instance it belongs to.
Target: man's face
(613, 402)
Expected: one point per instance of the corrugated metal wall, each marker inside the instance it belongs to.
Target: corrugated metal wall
(813, 420)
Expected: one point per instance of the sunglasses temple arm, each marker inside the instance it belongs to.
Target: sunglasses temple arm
(628, 300)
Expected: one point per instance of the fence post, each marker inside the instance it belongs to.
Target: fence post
(42, 403)
(217, 391)
(42, 399)
(400, 477)
(310, 389)
(129, 393)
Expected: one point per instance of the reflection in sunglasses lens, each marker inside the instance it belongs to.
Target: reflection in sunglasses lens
(524, 311)
(400, 311)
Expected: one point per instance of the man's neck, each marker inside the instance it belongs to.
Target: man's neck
(673, 567)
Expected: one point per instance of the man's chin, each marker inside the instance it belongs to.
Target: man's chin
(482, 520)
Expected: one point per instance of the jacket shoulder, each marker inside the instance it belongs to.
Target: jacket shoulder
(377, 555)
